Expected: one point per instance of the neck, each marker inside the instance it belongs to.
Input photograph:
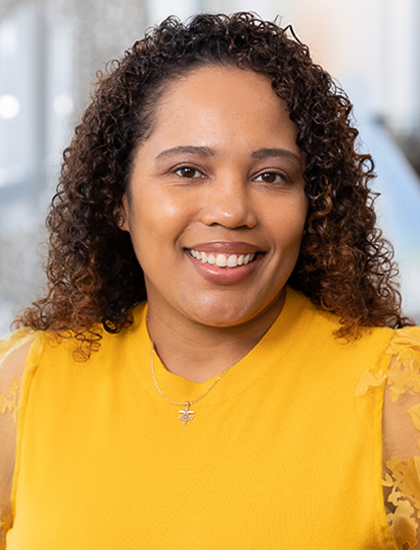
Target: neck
(199, 352)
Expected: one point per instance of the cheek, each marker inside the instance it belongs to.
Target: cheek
(155, 224)
(301, 214)
(289, 224)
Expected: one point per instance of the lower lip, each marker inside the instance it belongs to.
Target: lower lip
(225, 275)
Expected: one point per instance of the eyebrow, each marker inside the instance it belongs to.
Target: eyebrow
(276, 152)
(191, 149)
(263, 153)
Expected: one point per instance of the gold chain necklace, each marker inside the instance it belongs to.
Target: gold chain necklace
(186, 413)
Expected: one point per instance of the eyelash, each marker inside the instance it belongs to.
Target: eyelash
(191, 169)
(282, 177)
(179, 171)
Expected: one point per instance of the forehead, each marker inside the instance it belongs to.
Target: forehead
(214, 104)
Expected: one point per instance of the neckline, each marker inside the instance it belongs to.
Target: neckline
(245, 373)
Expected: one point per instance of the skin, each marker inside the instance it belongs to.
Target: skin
(194, 311)
(220, 173)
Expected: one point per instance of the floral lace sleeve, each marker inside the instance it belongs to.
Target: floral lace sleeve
(13, 351)
(401, 435)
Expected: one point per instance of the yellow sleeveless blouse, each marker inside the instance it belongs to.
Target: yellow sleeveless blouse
(283, 452)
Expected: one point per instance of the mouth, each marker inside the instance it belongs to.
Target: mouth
(226, 262)
(219, 259)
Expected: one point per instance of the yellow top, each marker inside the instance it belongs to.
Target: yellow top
(283, 452)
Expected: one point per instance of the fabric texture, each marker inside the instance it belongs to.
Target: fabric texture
(285, 451)
(401, 475)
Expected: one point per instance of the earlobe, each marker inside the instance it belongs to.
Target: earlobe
(121, 217)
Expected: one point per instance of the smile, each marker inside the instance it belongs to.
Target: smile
(223, 260)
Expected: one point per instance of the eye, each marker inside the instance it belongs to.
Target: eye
(271, 177)
(188, 172)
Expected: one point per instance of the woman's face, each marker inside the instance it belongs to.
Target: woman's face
(216, 204)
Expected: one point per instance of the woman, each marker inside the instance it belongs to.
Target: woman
(250, 402)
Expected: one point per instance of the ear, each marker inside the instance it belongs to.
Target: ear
(121, 215)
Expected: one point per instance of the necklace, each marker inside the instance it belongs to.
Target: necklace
(186, 413)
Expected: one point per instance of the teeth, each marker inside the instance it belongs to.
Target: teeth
(232, 261)
(223, 260)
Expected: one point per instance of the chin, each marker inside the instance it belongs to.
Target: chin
(226, 314)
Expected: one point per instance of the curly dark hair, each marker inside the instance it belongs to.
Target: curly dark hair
(345, 266)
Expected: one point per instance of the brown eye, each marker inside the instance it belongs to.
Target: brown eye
(188, 172)
(270, 177)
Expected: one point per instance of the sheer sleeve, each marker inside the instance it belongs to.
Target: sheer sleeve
(13, 351)
(401, 438)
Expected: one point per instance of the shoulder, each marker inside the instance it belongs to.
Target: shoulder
(401, 422)
(14, 351)
(401, 434)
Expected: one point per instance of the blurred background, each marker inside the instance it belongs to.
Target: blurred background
(50, 51)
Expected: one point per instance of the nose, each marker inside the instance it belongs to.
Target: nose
(229, 203)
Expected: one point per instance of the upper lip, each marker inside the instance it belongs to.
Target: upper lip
(226, 247)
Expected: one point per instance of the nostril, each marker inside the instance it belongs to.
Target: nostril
(231, 215)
